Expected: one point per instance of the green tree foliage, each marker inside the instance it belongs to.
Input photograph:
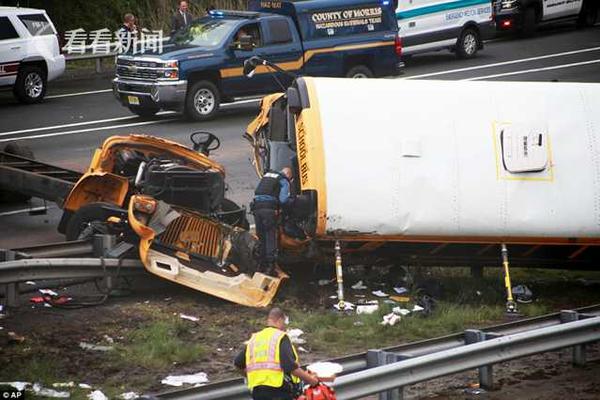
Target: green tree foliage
(91, 14)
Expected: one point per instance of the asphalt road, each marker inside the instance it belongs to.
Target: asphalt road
(79, 114)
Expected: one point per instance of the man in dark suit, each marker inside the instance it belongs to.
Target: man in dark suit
(182, 17)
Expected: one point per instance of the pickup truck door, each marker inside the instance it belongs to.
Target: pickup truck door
(283, 47)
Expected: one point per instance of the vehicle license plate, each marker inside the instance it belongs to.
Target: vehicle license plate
(133, 100)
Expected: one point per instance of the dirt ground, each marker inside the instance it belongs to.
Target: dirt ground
(52, 337)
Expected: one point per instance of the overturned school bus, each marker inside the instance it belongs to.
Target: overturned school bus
(169, 201)
(437, 173)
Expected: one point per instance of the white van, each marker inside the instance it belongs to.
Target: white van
(456, 25)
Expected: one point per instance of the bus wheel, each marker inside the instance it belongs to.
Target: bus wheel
(359, 72)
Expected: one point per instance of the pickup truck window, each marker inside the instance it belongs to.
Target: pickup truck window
(204, 33)
(37, 24)
(251, 30)
(279, 31)
(7, 30)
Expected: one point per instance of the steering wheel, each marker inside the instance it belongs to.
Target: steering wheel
(205, 142)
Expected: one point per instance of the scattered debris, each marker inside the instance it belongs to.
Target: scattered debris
(302, 349)
(522, 294)
(49, 292)
(401, 311)
(42, 391)
(347, 306)
(129, 396)
(84, 386)
(97, 395)
(400, 290)
(63, 385)
(358, 323)
(178, 380)
(32, 283)
(325, 369)
(379, 293)
(390, 319)
(367, 309)
(400, 299)
(334, 296)
(417, 308)
(94, 347)
(20, 386)
(474, 389)
(324, 282)
(166, 299)
(294, 335)
(109, 339)
(359, 286)
(189, 317)
(16, 338)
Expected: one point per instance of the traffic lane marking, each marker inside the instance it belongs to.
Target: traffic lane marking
(57, 96)
(527, 71)
(499, 64)
(77, 131)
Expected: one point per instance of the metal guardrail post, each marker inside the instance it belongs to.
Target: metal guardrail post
(486, 373)
(11, 292)
(103, 244)
(98, 65)
(375, 358)
(578, 351)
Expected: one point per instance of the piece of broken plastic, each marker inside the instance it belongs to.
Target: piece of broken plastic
(401, 311)
(474, 390)
(522, 294)
(400, 290)
(189, 317)
(347, 306)
(44, 392)
(380, 293)
(15, 337)
(359, 286)
(294, 335)
(390, 319)
(367, 309)
(179, 380)
(49, 292)
(417, 308)
(94, 347)
(129, 396)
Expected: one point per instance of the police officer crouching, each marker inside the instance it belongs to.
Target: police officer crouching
(271, 363)
(272, 193)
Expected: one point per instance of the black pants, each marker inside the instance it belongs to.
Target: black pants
(270, 393)
(265, 219)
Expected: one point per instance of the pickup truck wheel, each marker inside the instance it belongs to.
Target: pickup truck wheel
(468, 43)
(30, 86)
(88, 221)
(203, 100)
(18, 150)
(359, 72)
(145, 112)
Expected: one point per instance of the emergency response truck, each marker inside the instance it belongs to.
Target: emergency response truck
(526, 15)
(201, 67)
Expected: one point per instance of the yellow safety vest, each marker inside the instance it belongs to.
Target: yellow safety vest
(263, 363)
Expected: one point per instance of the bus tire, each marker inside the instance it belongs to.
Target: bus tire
(88, 220)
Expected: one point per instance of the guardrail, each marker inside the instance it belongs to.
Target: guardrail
(438, 354)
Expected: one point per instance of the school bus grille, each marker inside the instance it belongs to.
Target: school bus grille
(193, 235)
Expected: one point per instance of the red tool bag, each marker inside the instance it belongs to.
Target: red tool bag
(319, 392)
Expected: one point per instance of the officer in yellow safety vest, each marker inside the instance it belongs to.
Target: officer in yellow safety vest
(271, 361)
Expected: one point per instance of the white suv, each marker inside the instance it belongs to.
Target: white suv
(29, 52)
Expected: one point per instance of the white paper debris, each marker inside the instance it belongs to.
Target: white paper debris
(359, 286)
(333, 296)
(179, 380)
(324, 282)
(97, 395)
(367, 309)
(30, 283)
(401, 311)
(294, 335)
(47, 305)
(302, 349)
(42, 391)
(109, 339)
(417, 308)
(189, 317)
(63, 384)
(84, 386)
(129, 396)
(400, 290)
(49, 292)
(325, 369)
(379, 293)
(390, 319)
(94, 347)
(20, 386)
(347, 306)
